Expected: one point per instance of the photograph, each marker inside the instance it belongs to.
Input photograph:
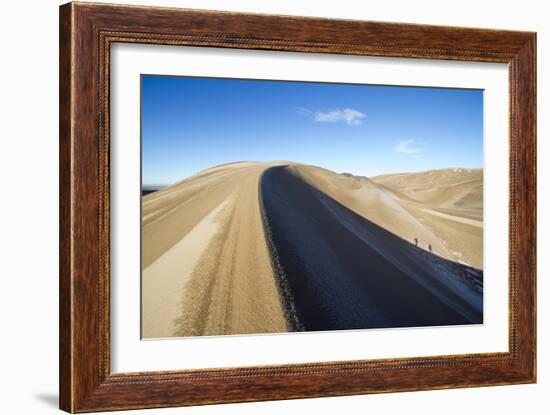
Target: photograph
(275, 206)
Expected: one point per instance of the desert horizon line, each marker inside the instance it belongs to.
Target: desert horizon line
(162, 185)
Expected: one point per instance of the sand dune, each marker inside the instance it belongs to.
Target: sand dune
(365, 197)
(460, 188)
(210, 266)
(441, 208)
(449, 202)
(231, 288)
(342, 271)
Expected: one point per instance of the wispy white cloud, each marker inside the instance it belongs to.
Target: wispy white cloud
(348, 115)
(407, 147)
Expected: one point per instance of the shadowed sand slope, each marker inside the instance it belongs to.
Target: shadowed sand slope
(342, 271)
(206, 267)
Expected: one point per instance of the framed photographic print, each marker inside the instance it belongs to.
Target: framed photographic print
(260, 207)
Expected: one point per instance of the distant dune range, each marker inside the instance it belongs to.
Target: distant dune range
(272, 247)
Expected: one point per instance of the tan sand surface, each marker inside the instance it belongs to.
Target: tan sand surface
(456, 218)
(163, 281)
(440, 198)
(231, 288)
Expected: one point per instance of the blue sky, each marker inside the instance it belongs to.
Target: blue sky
(191, 124)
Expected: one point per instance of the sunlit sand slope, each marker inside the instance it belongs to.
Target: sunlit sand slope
(206, 268)
(449, 202)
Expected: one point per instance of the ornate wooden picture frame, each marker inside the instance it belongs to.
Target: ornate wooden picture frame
(87, 32)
